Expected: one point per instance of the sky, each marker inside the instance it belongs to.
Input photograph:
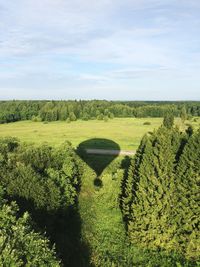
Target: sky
(107, 49)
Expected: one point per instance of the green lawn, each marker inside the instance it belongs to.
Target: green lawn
(126, 132)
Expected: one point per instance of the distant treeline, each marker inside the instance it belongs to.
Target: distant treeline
(16, 110)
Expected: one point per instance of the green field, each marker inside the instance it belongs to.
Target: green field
(126, 132)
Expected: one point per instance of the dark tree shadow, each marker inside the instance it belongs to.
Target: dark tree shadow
(98, 153)
(63, 228)
(125, 164)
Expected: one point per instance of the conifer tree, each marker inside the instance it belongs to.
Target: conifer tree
(150, 210)
(129, 185)
(187, 201)
(183, 114)
(168, 120)
(161, 194)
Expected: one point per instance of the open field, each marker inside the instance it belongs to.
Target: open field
(126, 132)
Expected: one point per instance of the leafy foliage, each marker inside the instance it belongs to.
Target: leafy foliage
(19, 244)
(44, 181)
(49, 177)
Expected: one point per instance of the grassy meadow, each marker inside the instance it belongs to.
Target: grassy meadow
(126, 132)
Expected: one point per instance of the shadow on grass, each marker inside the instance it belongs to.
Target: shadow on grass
(95, 161)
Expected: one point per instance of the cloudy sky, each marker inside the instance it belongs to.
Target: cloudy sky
(107, 49)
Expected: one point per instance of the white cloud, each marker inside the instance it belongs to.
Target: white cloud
(115, 41)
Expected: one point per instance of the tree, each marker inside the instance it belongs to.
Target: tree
(186, 204)
(72, 116)
(19, 244)
(183, 114)
(160, 195)
(63, 113)
(150, 225)
(105, 118)
(59, 110)
(100, 117)
(131, 179)
(45, 182)
(168, 120)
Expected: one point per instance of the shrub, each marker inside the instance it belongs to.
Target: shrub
(100, 117)
(20, 245)
(36, 119)
(105, 118)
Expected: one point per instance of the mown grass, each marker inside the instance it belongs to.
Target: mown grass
(126, 132)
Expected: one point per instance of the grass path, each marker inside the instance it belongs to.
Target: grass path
(102, 226)
(96, 151)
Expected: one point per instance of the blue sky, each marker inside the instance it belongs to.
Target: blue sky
(108, 49)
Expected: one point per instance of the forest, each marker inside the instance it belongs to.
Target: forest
(16, 110)
(39, 192)
(62, 207)
(160, 193)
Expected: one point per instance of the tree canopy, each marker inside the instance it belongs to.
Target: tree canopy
(95, 109)
(160, 195)
(39, 191)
